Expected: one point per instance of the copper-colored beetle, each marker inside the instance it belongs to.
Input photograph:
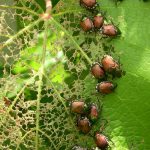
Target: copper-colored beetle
(78, 107)
(98, 21)
(101, 141)
(83, 124)
(109, 64)
(90, 4)
(93, 112)
(106, 87)
(110, 30)
(86, 24)
(97, 71)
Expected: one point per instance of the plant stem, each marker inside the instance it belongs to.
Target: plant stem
(65, 12)
(48, 6)
(72, 39)
(38, 107)
(41, 72)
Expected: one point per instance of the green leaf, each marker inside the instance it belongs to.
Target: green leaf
(46, 65)
(128, 109)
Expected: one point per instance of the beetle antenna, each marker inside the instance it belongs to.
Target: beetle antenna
(100, 104)
(98, 6)
(109, 141)
(111, 48)
(103, 125)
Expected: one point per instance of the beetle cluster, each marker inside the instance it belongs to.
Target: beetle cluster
(88, 114)
(97, 23)
(101, 71)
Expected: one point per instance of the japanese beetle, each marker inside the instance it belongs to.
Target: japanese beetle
(93, 112)
(89, 4)
(86, 24)
(101, 141)
(110, 65)
(97, 71)
(78, 107)
(98, 21)
(110, 30)
(106, 87)
(83, 124)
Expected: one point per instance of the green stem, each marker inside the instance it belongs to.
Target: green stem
(41, 72)
(65, 12)
(72, 39)
(38, 108)
(8, 36)
(21, 8)
(11, 40)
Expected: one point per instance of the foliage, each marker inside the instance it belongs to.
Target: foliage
(44, 65)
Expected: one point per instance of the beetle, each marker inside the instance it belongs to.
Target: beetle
(110, 30)
(83, 124)
(97, 71)
(78, 107)
(86, 24)
(109, 64)
(93, 112)
(98, 21)
(89, 4)
(101, 141)
(106, 87)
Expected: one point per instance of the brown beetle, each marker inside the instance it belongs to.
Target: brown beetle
(109, 64)
(98, 21)
(78, 107)
(89, 4)
(106, 87)
(101, 141)
(110, 30)
(83, 124)
(86, 24)
(93, 112)
(97, 71)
